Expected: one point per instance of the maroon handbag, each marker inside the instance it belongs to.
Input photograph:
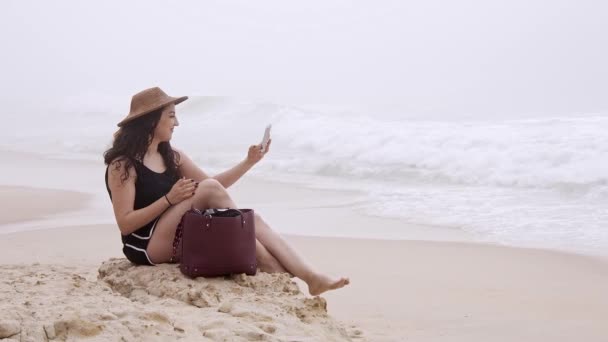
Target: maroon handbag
(216, 242)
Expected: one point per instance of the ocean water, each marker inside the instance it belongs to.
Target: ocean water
(522, 179)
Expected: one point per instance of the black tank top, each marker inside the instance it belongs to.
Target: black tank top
(149, 186)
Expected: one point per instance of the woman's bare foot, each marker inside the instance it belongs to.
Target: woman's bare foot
(321, 283)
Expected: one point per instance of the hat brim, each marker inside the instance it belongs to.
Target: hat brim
(174, 100)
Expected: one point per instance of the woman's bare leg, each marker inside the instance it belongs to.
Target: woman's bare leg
(266, 261)
(211, 194)
(293, 262)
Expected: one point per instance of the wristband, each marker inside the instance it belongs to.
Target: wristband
(167, 198)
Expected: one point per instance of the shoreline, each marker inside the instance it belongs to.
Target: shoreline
(93, 206)
(42, 203)
(276, 198)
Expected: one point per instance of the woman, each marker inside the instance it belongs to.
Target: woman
(151, 185)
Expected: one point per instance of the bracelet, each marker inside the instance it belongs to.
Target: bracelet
(167, 198)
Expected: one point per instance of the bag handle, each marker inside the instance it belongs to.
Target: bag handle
(209, 217)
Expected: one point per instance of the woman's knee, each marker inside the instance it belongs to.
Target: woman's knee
(209, 188)
(210, 183)
(209, 192)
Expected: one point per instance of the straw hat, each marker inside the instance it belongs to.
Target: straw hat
(147, 101)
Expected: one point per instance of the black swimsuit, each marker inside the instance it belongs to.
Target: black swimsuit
(149, 187)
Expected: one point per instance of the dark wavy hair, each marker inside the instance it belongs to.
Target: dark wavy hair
(131, 142)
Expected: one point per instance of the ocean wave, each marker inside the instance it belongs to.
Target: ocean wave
(548, 153)
(560, 153)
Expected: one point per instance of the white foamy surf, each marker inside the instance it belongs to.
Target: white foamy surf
(535, 180)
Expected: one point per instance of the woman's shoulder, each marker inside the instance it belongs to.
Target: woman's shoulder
(179, 154)
(121, 163)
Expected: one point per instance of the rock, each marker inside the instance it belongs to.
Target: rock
(225, 307)
(9, 328)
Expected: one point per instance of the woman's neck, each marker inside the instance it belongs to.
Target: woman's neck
(153, 148)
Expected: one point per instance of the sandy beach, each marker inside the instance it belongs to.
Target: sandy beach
(69, 281)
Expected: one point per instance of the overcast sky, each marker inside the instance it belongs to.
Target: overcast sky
(519, 56)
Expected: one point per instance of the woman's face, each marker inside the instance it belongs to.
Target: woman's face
(168, 120)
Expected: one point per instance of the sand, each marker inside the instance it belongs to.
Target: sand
(24, 204)
(70, 281)
(159, 304)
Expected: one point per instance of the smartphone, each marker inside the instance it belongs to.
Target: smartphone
(266, 137)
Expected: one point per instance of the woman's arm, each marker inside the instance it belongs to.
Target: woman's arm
(189, 170)
(229, 177)
(123, 199)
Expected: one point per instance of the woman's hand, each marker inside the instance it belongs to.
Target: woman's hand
(255, 153)
(181, 190)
